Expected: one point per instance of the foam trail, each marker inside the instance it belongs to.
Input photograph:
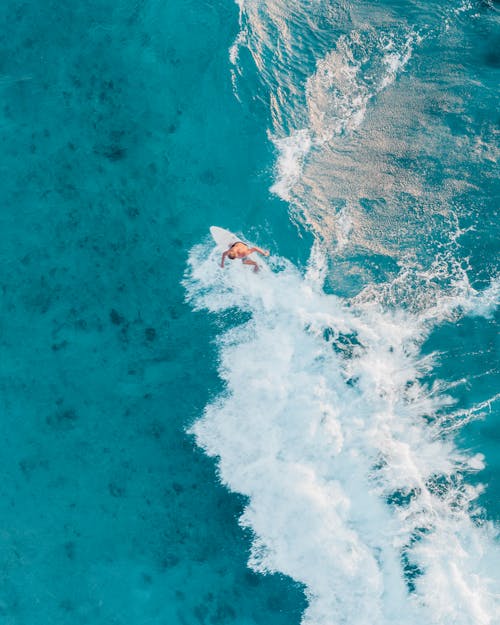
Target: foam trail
(292, 151)
(354, 490)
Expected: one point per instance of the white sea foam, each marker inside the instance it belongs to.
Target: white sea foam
(395, 60)
(439, 292)
(483, 303)
(292, 151)
(354, 488)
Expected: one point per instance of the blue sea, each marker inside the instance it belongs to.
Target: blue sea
(316, 443)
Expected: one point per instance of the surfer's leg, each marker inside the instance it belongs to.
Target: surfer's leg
(247, 261)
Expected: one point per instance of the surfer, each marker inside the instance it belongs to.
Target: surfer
(240, 250)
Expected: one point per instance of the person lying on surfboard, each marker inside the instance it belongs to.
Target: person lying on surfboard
(240, 250)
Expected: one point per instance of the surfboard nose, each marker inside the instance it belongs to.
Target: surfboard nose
(222, 237)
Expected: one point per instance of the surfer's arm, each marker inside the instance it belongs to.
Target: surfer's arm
(257, 249)
(224, 254)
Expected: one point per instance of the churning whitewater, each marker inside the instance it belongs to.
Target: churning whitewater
(354, 488)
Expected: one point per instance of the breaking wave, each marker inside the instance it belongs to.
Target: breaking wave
(355, 487)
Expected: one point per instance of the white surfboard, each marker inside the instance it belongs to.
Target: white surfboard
(224, 238)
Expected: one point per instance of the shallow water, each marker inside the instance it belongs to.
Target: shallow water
(127, 130)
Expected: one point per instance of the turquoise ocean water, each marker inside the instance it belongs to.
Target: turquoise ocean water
(317, 443)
